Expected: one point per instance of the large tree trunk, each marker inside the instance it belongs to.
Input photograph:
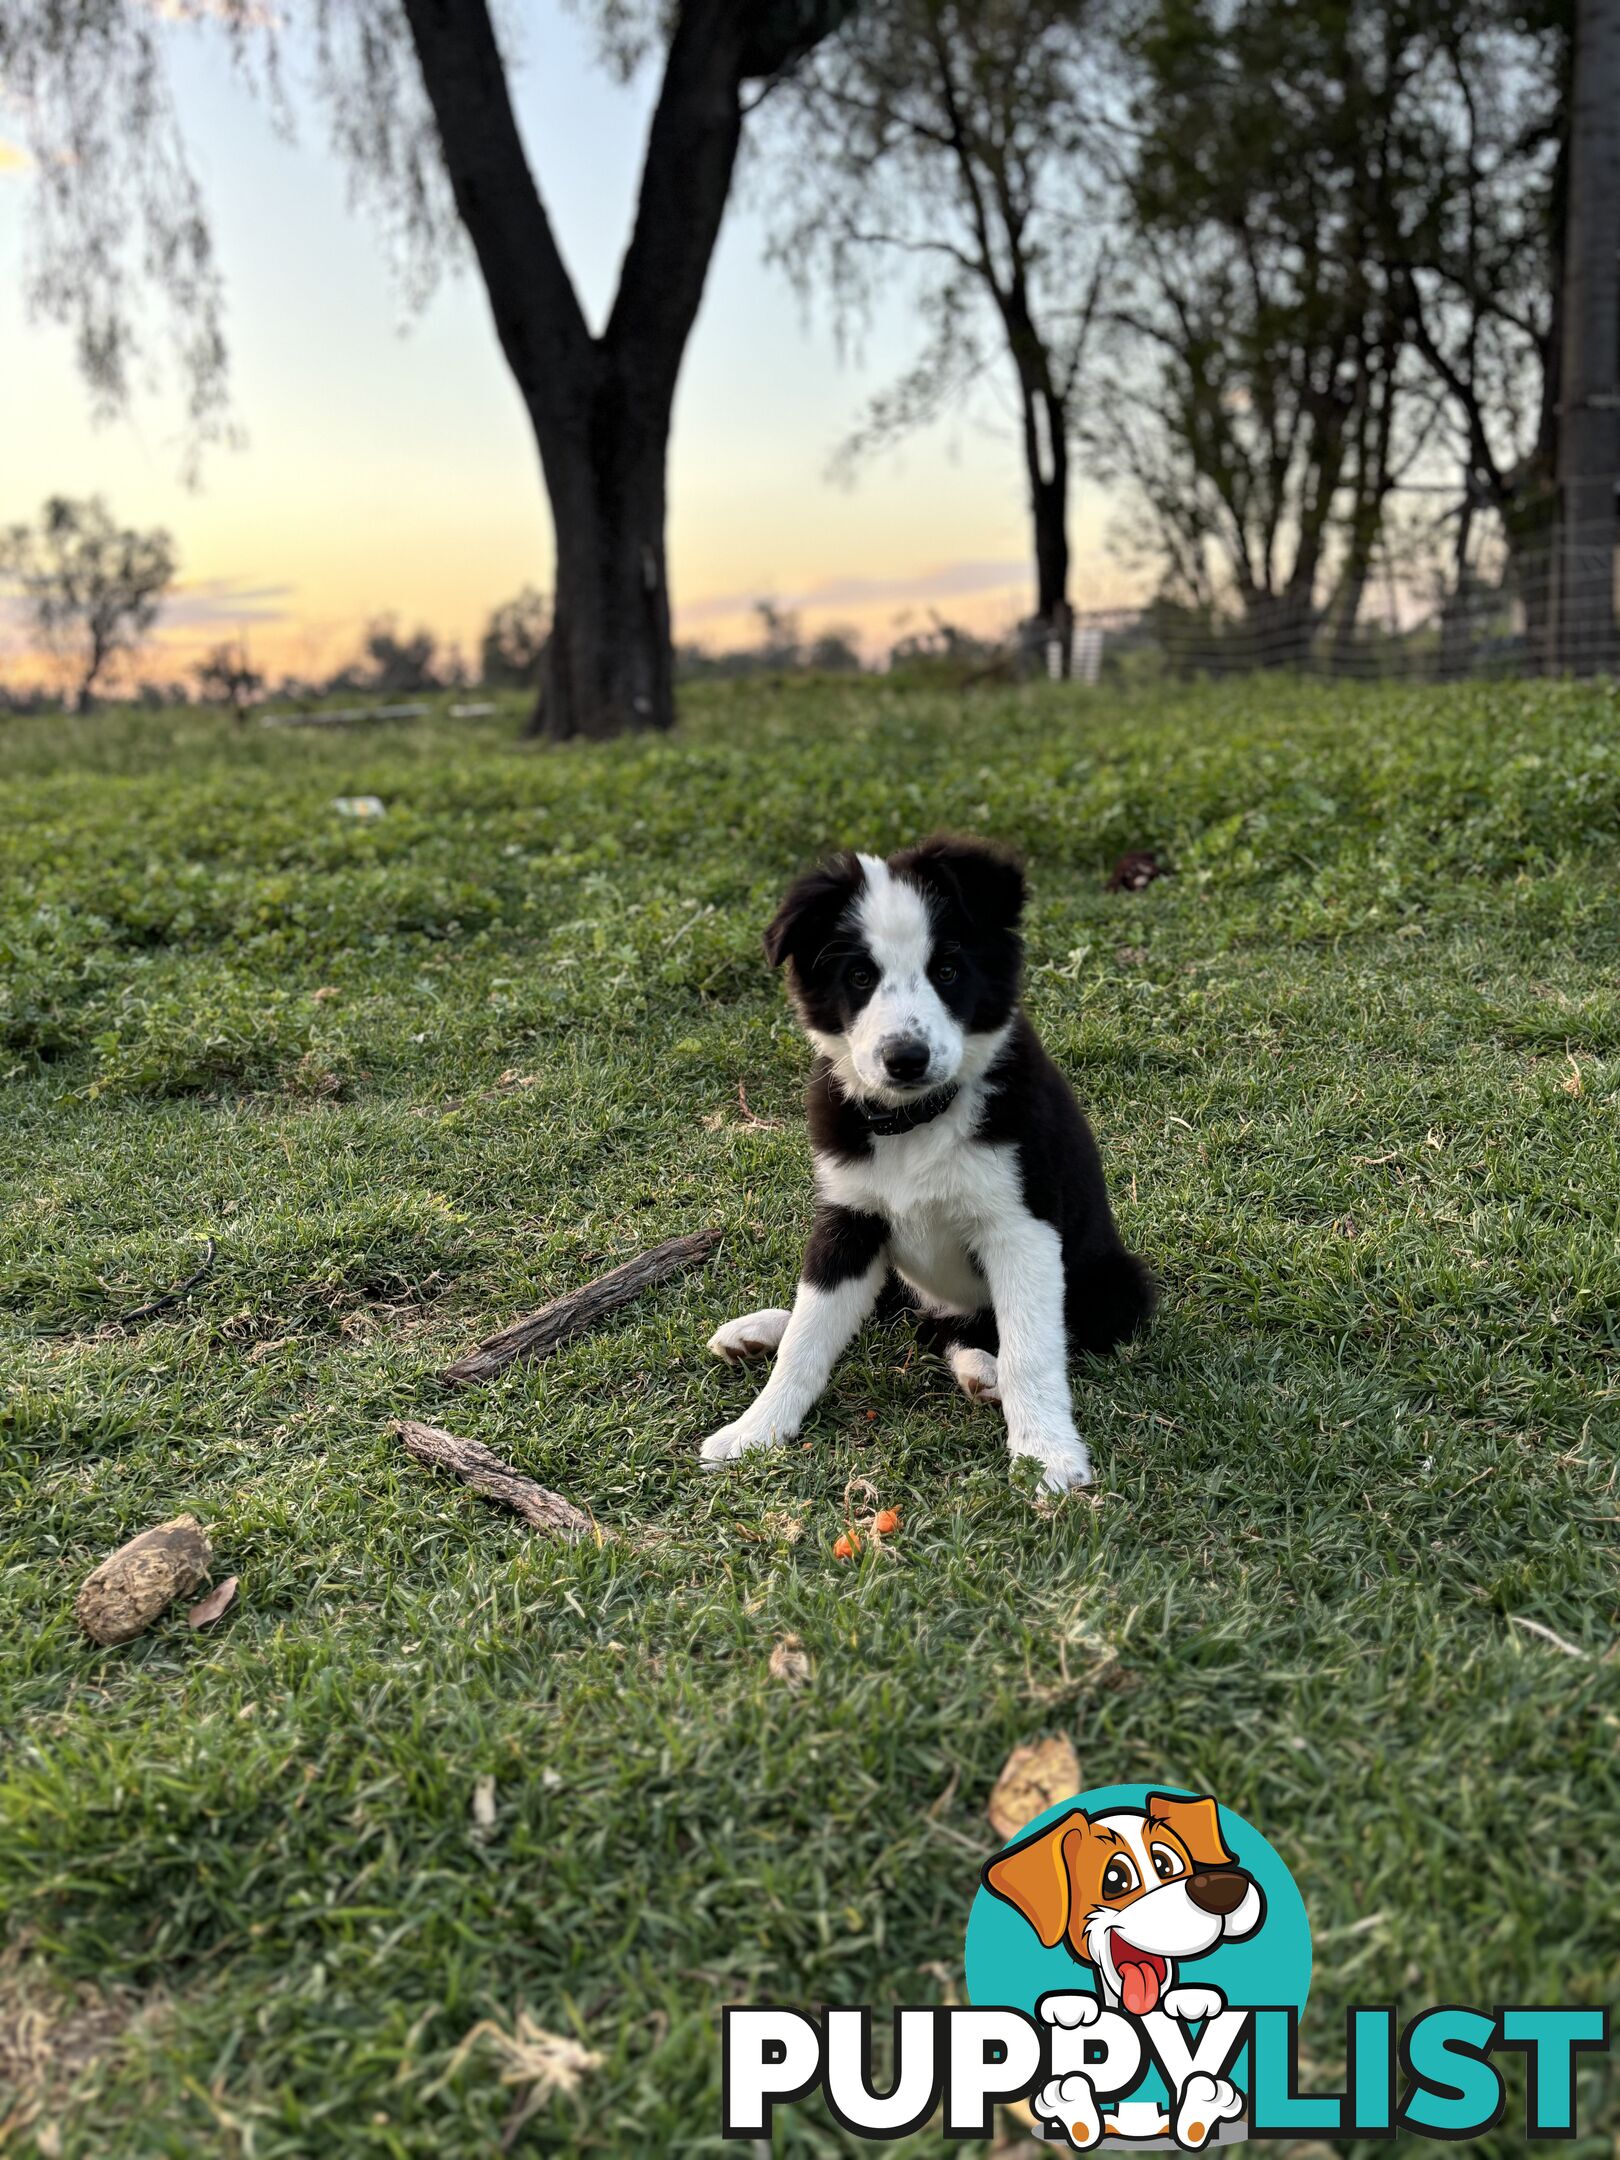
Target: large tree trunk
(1583, 634)
(600, 406)
(608, 664)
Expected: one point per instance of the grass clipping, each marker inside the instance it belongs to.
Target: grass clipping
(539, 2065)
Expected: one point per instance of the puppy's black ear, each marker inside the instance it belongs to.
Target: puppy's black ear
(985, 881)
(811, 909)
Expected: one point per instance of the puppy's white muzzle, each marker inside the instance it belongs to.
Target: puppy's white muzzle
(904, 1042)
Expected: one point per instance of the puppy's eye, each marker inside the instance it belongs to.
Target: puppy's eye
(945, 971)
(1118, 1877)
(862, 978)
(1166, 1864)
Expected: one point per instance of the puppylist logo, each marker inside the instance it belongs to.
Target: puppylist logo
(1137, 1962)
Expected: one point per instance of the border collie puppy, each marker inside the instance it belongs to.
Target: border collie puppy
(948, 1149)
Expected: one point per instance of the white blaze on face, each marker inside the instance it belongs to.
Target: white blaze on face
(892, 921)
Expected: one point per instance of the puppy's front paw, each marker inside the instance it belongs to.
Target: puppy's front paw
(1202, 2105)
(1069, 2104)
(739, 1438)
(1064, 1460)
(1193, 2004)
(756, 1334)
(975, 1373)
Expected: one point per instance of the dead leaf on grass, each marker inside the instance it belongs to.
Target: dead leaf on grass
(789, 1664)
(260, 1351)
(220, 1599)
(1574, 1085)
(1033, 1778)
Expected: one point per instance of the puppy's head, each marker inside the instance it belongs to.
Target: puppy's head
(1131, 1892)
(903, 971)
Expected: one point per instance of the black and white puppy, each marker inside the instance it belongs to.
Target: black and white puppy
(948, 1148)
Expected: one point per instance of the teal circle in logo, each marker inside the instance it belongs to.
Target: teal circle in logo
(1009, 1965)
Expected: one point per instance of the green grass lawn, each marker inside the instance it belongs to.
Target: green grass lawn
(1355, 1069)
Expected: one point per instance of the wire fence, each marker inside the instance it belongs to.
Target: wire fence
(1551, 609)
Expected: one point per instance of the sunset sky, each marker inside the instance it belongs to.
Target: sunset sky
(388, 465)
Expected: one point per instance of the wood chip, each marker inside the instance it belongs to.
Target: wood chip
(133, 1586)
(538, 1334)
(483, 1807)
(1033, 1779)
(485, 1472)
(220, 1599)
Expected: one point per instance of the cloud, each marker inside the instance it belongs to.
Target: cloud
(212, 606)
(940, 581)
(225, 602)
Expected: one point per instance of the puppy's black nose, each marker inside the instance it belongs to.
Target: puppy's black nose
(1218, 1890)
(905, 1059)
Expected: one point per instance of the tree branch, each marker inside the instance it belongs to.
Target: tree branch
(537, 314)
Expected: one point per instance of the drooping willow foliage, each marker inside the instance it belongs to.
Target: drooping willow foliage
(120, 248)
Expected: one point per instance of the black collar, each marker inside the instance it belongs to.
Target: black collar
(885, 1124)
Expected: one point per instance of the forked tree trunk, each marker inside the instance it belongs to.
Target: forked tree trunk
(600, 405)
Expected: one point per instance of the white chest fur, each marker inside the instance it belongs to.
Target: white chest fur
(940, 1193)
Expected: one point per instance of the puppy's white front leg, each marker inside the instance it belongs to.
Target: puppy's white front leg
(1023, 1264)
(843, 1273)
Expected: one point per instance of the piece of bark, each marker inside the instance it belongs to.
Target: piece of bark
(120, 1599)
(476, 1466)
(537, 1334)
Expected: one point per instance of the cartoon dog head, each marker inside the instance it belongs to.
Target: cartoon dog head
(1131, 1893)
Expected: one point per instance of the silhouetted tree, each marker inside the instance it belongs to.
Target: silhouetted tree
(421, 105)
(400, 663)
(834, 651)
(513, 647)
(226, 677)
(94, 588)
(957, 142)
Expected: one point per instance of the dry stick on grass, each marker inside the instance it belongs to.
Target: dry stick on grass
(537, 1334)
(474, 1464)
(169, 1297)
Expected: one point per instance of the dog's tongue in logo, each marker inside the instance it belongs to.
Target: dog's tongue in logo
(1141, 1976)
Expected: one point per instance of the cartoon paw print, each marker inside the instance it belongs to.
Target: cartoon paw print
(1068, 2104)
(1202, 2105)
